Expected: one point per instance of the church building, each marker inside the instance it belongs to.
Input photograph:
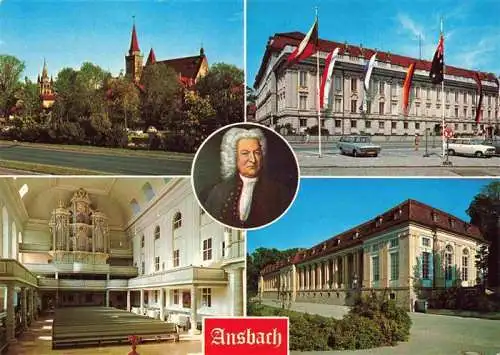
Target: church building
(46, 88)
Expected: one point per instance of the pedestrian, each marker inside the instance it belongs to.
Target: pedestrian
(307, 137)
(417, 141)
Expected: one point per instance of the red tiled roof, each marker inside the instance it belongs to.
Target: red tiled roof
(151, 57)
(408, 211)
(134, 43)
(48, 96)
(280, 40)
(187, 67)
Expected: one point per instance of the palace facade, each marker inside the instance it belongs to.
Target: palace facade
(287, 95)
(143, 245)
(410, 248)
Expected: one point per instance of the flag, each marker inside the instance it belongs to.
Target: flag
(436, 74)
(366, 80)
(407, 88)
(307, 47)
(480, 93)
(326, 77)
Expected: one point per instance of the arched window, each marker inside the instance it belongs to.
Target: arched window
(448, 263)
(147, 189)
(157, 232)
(177, 223)
(465, 265)
(134, 205)
(142, 242)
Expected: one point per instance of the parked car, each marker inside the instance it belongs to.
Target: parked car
(470, 146)
(358, 146)
(495, 142)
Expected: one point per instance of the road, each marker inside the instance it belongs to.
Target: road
(103, 162)
(395, 159)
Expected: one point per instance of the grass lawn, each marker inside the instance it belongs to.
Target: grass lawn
(101, 150)
(46, 169)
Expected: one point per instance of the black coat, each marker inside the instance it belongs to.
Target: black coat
(269, 200)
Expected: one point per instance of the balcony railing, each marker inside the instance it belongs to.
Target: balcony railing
(123, 271)
(117, 284)
(81, 284)
(33, 247)
(186, 276)
(80, 268)
(121, 253)
(10, 268)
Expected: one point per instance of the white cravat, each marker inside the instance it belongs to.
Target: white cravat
(246, 196)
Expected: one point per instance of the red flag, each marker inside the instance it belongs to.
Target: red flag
(326, 78)
(480, 93)
(437, 67)
(307, 47)
(407, 88)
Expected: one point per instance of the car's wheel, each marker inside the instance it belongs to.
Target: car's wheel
(376, 155)
(354, 153)
(341, 151)
(451, 152)
(478, 154)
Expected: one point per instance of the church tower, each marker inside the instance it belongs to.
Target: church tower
(45, 87)
(133, 61)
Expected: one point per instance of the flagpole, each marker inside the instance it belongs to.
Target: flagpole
(442, 94)
(317, 89)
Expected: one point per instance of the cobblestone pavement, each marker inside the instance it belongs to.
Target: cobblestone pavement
(430, 334)
(392, 162)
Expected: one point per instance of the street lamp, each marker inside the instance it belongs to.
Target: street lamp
(426, 141)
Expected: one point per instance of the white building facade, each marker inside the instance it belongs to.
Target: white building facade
(287, 95)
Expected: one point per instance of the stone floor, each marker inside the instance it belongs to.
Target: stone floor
(37, 341)
(430, 334)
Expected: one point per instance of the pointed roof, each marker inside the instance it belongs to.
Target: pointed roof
(151, 57)
(45, 72)
(186, 67)
(134, 43)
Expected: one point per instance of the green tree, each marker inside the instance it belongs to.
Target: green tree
(123, 103)
(224, 87)
(484, 211)
(162, 96)
(11, 69)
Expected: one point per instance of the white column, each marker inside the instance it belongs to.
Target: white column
(128, 300)
(327, 273)
(107, 298)
(194, 310)
(237, 287)
(24, 307)
(307, 277)
(10, 321)
(162, 305)
(142, 302)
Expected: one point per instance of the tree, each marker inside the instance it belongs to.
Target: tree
(123, 102)
(224, 87)
(484, 211)
(162, 95)
(11, 69)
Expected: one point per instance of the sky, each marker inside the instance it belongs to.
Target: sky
(472, 28)
(68, 33)
(325, 207)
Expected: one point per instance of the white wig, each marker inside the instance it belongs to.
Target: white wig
(229, 145)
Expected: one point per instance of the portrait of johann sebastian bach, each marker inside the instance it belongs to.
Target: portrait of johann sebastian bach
(246, 197)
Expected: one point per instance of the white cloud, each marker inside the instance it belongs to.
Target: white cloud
(410, 25)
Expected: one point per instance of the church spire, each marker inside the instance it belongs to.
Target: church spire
(45, 71)
(134, 43)
(151, 57)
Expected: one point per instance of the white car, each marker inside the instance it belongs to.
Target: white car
(470, 146)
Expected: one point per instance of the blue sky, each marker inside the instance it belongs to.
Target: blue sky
(68, 33)
(472, 28)
(326, 207)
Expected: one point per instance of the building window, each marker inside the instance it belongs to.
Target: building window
(354, 123)
(426, 263)
(417, 125)
(303, 122)
(465, 97)
(157, 263)
(176, 296)
(354, 106)
(393, 124)
(177, 223)
(448, 263)
(303, 102)
(465, 265)
(207, 249)
(223, 249)
(375, 268)
(428, 95)
(176, 258)
(303, 78)
(338, 83)
(381, 88)
(157, 232)
(394, 108)
(368, 124)
(417, 92)
(206, 297)
(394, 243)
(426, 242)
(354, 84)
(148, 192)
(465, 112)
(456, 111)
(142, 242)
(395, 266)
(393, 90)
(338, 123)
(465, 126)
(381, 108)
(143, 268)
(338, 104)
(405, 125)
(456, 96)
(381, 124)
